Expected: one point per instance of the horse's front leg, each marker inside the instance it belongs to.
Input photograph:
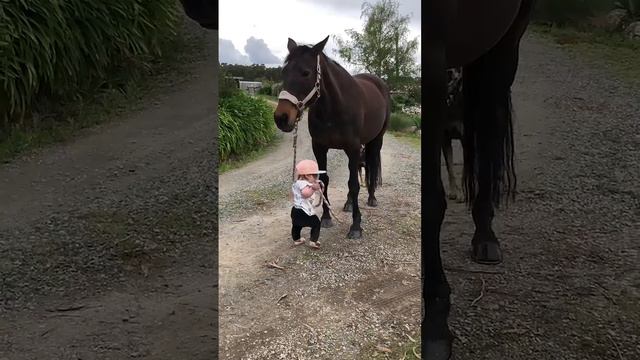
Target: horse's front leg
(355, 232)
(436, 337)
(320, 152)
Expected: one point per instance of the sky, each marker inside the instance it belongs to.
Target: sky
(256, 32)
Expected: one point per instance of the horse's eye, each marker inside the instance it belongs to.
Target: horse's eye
(306, 73)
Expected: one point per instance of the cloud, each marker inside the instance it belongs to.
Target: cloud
(259, 52)
(227, 53)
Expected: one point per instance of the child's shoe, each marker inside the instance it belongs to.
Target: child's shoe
(298, 242)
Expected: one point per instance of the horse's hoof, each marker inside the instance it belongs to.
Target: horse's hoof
(372, 202)
(348, 207)
(436, 350)
(486, 252)
(326, 223)
(354, 234)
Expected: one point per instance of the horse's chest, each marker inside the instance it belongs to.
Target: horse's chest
(330, 133)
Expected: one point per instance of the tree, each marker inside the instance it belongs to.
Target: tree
(383, 47)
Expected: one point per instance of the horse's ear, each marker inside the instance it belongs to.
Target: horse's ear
(291, 45)
(317, 48)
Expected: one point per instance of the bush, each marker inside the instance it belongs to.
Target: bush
(227, 87)
(265, 89)
(58, 50)
(401, 121)
(245, 123)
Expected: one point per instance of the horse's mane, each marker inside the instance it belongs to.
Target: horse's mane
(305, 49)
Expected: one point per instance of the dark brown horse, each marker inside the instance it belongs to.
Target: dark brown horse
(345, 112)
(484, 39)
(204, 12)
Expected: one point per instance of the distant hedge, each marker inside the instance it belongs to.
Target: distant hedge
(57, 49)
(245, 124)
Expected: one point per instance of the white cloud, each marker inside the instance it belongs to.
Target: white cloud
(227, 53)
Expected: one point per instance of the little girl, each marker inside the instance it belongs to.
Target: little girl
(307, 202)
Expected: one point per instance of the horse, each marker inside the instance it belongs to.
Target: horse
(204, 12)
(344, 112)
(454, 127)
(485, 41)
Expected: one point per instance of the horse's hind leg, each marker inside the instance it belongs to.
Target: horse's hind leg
(373, 174)
(320, 152)
(488, 138)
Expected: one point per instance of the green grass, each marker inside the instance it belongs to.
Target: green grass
(401, 121)
(610, 51)
(247, 130)
(268, 97)
(410, 138)
(91, 109)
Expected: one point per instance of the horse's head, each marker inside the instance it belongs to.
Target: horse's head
(300, 83)
(204, 12)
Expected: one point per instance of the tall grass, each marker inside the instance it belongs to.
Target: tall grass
(245, 124)
(54, 51)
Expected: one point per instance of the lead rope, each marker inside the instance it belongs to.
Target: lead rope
(293, 175)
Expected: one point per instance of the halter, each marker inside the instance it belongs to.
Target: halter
(303, 105)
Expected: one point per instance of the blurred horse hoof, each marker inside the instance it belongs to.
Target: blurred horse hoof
(486, 250)
(354, 234)
(437, 350)
(372, 202)
(326, 223)
(348, 207)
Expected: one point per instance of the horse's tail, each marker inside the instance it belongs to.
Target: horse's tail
(373, 163)
(373, 158)
(487, 137)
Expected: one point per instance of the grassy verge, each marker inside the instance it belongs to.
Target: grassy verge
(239, 161)
(247, 130)
(98, 108)
(410, 138)
(612, 51)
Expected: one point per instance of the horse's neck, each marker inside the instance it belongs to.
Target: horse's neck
(336, 86)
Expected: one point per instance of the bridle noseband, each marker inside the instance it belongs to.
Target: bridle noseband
(303, 104)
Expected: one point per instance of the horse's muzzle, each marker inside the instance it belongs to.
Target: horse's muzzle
(282, 122)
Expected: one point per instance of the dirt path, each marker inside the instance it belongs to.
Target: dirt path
(570, 284)
(327, 304)
(107, 243)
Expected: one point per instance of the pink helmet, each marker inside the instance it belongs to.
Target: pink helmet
(308, 167)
